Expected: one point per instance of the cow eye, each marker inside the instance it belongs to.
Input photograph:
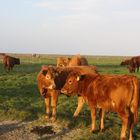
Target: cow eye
(70, 82)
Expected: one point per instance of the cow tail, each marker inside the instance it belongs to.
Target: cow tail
(135, 99)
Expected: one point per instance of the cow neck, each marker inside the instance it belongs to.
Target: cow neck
(83, 84)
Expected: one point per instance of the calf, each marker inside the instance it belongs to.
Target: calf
(50, 80)
(110, 92)
(9, 62)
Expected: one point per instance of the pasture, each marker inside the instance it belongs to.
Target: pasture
(20, 99)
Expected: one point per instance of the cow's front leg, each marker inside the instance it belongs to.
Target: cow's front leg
(81, 102)
(93, 119)
(54, 100)
(47, 107)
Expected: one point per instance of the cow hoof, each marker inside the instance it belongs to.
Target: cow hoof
(53, 119)
(74, 117)
(122, 138)
(94, 131)
(47, 117)
(102, 130)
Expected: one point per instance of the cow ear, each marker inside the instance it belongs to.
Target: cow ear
(80, 77)
(44, 72)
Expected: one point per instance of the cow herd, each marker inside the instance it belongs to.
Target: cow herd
(73, 76)
(132, 64)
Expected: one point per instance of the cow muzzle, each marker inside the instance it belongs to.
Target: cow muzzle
(63, 91)
(52, 86)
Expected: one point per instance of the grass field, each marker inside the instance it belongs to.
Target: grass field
(20, 100)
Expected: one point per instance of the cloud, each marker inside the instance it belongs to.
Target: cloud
(63, 5)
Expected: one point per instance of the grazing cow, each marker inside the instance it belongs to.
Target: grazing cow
(50, 81)
(109, 92)
(62, 61)
(125, 62)
(9, 62)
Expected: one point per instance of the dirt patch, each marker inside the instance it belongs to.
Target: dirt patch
(13, 130)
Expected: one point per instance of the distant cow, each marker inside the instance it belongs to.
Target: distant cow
(63, 61)
(125, 62)
(50, 81)
(135, 63)
(76, 60)
(109, 92)
(9, 62)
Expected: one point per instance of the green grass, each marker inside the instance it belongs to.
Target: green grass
(20, 100)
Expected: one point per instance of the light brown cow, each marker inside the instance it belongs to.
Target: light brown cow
(78, 60)
(110, 92)
(50, 81)
(62, 61)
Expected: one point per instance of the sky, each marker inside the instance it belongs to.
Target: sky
(86, 27)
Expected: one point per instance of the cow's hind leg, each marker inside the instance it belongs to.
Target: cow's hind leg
(81, 102)
(131, 125)
(124, 119)
(47, 106)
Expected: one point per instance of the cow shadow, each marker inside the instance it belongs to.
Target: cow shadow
(9, 126)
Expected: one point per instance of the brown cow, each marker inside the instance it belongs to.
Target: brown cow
(110, 92)
(125, 62)
(78, 60)
(62, 61)
(135, 63)
(9, 62)
(50, 81)
(45, 85)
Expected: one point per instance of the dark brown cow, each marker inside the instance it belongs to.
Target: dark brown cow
(125, 62)
(9, 62)
(50, 81)
(135, 63)
(110, 92)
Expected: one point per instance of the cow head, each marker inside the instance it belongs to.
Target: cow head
(122, 63)
(71, 85)
(48, 77)
(17, 61)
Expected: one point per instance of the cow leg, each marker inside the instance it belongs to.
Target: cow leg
(124, 127)
(93, 119)
(47, 104)
(101, 114)
(54, 100)
(131, 125)
(137, 68)
(81, 102)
